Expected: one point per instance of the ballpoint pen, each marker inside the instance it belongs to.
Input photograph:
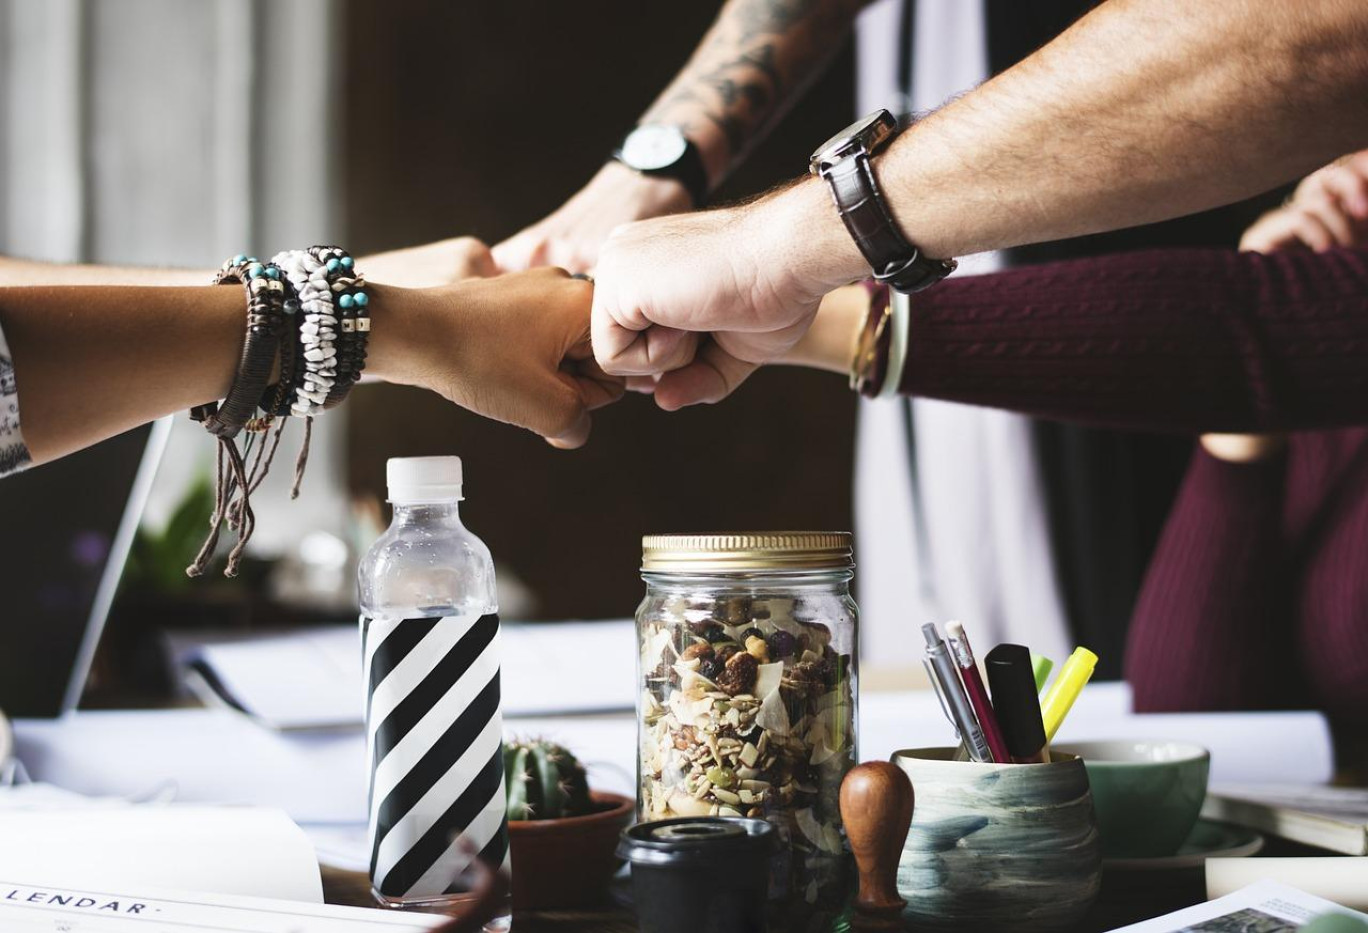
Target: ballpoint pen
(1017, 704)
(946, 680)
(1059, 699)
(978, 694)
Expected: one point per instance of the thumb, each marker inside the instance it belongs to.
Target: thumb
(519, 252)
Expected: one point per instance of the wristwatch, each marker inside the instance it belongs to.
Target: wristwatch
(663, 151)
(845, 161)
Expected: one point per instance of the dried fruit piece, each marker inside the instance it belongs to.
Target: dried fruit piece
(805, 677)
(739, 675)
(725, 650)
(782, 645)
(699, 649)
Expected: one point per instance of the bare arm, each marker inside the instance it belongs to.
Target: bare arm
(750, 67)
(431, 264)
(1144, 110)
(15, 271)
(93, 361)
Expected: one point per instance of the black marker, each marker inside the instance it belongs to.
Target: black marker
(1012, 679)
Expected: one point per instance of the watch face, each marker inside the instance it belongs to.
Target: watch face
(867, 134)
(651, 147)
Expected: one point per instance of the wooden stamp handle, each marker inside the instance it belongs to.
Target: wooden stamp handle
(876, 809)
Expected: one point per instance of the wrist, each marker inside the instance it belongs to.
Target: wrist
(649, 195)
(830, 343)
(813, 244)
(396, 329)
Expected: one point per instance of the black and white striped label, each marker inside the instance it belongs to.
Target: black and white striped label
(434, 735)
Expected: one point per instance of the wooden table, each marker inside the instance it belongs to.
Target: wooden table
(1127, 897)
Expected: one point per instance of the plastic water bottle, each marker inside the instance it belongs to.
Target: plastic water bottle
(434, 731)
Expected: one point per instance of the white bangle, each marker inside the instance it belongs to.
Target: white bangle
(317, 332)
(899, 323)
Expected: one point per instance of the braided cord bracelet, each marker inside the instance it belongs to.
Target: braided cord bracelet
(265, 325)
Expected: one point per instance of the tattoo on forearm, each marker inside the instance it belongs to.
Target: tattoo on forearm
(759, 52)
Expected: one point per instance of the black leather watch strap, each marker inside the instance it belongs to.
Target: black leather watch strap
(896, 262)
(688, 170)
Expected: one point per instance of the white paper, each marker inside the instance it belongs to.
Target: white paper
(34, 906)
(230, 850)
(201, 756)
(1339, 879)
(313, 679)
(1239, 742)
(1277, 908)
(306, 680)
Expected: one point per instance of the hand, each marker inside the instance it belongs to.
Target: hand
(429, 265)
(513, 348)
(572, 236)
(751, 277)
(1328, 209)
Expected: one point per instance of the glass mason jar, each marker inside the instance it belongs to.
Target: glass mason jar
(748, 647)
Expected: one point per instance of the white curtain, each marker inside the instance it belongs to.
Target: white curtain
(168, 133)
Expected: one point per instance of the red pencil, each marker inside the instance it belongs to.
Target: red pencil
(978, 693)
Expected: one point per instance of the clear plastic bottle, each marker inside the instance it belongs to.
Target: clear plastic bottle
(434, 730)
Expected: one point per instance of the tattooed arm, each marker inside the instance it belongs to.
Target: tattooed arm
(750, 67)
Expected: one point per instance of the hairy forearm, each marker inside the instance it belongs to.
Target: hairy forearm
(752, 64)
(1144, 110)
(14, 271)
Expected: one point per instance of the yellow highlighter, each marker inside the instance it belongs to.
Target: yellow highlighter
(1059, 699)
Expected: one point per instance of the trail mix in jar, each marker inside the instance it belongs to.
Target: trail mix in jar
(747, 710)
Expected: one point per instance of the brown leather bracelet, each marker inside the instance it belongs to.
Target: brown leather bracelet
(265, 300)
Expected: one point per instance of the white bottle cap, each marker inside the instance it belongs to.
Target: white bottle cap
(423, 479)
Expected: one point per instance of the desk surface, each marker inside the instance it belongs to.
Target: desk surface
(1127, 897)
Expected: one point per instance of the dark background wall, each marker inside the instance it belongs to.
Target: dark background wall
(479, 118)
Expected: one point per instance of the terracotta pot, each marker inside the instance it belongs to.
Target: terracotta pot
(567, 863)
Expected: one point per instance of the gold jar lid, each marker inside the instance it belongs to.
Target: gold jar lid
(747, 551)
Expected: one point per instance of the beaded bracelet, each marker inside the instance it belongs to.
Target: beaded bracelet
(351, 303)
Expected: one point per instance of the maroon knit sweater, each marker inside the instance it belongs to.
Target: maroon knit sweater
(1167, 340)
(1257, 595)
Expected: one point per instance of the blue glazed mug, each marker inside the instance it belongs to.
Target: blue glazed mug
(997, 846)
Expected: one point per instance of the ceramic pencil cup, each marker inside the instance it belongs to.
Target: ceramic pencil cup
(997, 846)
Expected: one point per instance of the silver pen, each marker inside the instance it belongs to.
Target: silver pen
(945, 678)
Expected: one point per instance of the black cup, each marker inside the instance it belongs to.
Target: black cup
(700, 874)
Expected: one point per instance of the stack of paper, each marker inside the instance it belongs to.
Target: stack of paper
(312, 679)
(231, 850)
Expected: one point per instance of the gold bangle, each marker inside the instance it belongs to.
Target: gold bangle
(867, 348)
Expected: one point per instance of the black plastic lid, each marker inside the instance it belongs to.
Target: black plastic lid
(696, 840)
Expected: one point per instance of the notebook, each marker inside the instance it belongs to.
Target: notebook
(1334, 818)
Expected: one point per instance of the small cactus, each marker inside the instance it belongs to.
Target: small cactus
(543, 781)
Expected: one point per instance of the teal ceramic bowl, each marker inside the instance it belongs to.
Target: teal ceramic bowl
(1147, 794)
(997, 847)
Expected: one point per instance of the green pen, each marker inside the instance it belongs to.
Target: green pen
(1041, 666)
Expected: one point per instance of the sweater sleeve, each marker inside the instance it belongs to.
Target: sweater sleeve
(1166, 340)
(1211, 628)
